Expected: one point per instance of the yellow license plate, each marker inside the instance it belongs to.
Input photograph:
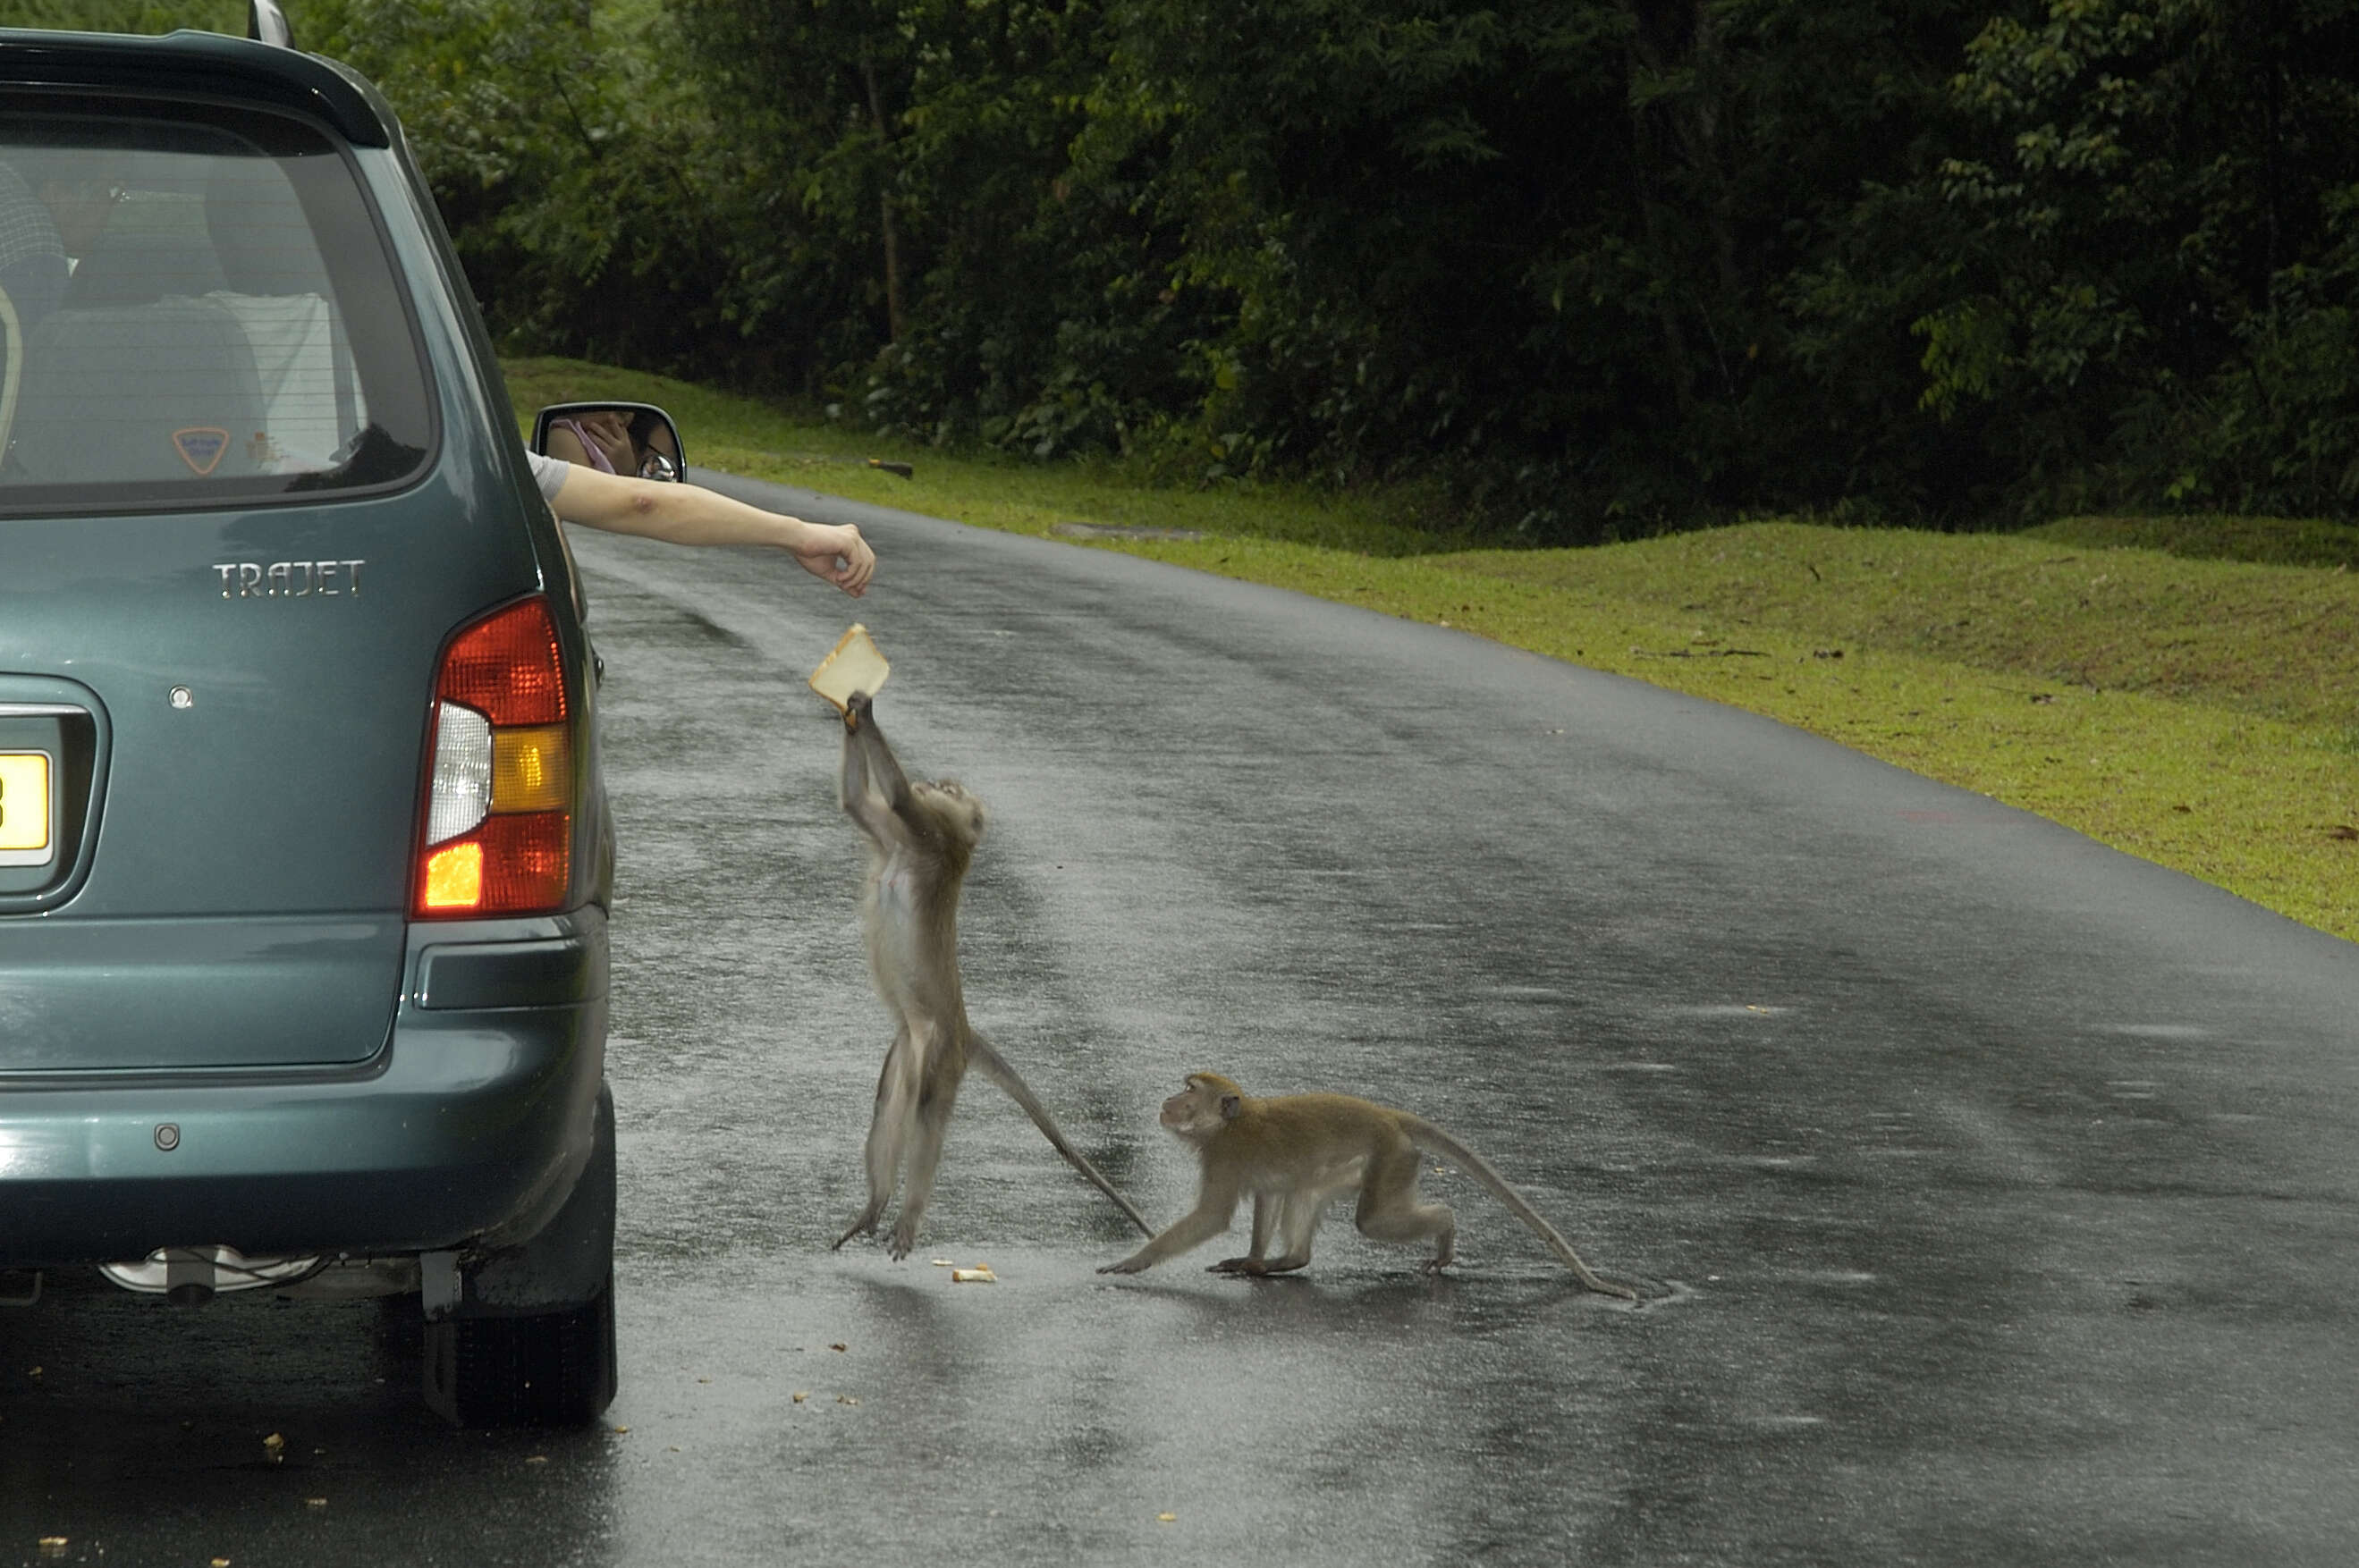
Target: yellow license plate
(24, 809)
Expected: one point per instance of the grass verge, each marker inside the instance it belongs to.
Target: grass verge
(2181, 689)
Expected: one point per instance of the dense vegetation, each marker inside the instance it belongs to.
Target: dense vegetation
(1593, 266)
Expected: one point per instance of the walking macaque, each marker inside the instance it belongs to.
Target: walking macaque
(921, 837)
(1295, 1153)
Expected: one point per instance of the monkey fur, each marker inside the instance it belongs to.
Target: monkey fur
(1293, 1154)
(921, 838)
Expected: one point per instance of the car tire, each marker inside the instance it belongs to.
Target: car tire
(492, 1365)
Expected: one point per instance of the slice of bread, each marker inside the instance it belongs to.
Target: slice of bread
(853, 665)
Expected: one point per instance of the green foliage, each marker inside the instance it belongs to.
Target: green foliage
(580, 177)
(1580, 269)
(126, 15)
(2156, 296)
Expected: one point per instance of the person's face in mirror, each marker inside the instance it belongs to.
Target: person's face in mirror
(612, 432)
(574, 436)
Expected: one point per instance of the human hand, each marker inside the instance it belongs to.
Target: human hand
(837, 555)
(611, 431)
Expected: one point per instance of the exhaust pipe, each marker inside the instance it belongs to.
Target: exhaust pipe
(191, 1276)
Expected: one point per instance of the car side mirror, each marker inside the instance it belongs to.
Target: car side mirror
(618, 437)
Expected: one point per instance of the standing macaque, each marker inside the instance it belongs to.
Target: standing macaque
(1296, 1154)
(921, 837)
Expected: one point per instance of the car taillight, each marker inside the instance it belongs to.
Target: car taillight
(497, 838)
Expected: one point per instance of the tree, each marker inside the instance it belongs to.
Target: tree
(2160, 287)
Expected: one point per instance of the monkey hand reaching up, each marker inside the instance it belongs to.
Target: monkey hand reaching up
(1297, 1153)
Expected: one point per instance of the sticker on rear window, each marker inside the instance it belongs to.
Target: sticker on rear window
(201, 447)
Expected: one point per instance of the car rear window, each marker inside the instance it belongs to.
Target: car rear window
(197, 309)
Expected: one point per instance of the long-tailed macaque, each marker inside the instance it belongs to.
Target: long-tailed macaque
(1295, 1153)
(921, 837)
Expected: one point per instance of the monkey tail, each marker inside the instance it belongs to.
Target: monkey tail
(1425, 1135)
(993, 1065)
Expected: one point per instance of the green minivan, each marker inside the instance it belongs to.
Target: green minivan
(304, 858)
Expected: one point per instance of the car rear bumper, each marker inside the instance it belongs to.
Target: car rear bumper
(472, 1123)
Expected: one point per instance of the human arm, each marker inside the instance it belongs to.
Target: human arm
(691, 515)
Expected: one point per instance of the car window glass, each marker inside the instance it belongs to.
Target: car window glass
(197, 308)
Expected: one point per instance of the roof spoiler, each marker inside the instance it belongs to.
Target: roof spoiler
(266, 23)
(205, 65)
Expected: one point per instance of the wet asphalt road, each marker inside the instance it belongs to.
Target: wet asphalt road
(1993, 1192)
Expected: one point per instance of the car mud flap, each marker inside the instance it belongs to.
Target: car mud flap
(525, 1335)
